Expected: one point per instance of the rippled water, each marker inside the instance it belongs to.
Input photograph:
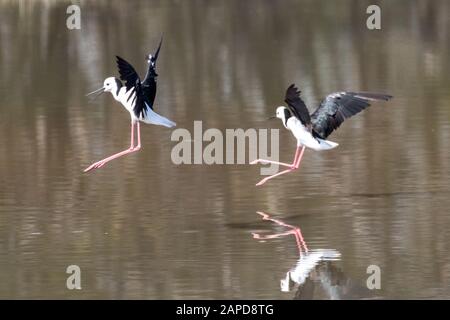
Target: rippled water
(142, 227)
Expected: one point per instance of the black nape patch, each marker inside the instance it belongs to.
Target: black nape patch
(287, 115)
(119, 85)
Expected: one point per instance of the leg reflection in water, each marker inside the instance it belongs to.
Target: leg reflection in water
(305, 271)
(295, 231)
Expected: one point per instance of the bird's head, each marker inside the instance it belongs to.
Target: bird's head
(110, 84)
(282, 113)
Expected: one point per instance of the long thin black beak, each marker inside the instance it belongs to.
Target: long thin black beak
(272, 117)
(96, 92)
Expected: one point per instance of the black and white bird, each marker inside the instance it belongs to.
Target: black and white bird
(311, 131)
(137, 97)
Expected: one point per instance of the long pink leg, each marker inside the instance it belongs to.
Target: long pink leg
(139, 138)
(131, 149)
(264, 161)
(294, 166)
(299, 157)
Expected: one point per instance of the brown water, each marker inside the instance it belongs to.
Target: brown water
(142, 227)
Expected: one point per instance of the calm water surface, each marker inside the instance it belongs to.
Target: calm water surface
(142, 227)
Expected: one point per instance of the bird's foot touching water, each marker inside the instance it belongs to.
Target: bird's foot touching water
(95, 165)
(264, 161)
(275, 175)
(101, 163)
(293, 166)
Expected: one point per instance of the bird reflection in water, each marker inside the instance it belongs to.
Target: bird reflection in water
(314, 273)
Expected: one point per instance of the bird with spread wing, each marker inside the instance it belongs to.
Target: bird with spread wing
(312, 130)
(137, 97)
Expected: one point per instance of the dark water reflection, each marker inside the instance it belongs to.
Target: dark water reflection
(142, 227)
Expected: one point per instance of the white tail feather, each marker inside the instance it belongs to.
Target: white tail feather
(152, 117)
(327, 144)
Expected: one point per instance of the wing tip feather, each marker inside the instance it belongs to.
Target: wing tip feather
(373, 96)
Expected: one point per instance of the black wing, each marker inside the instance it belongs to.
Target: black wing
(132, 81)
(149, 83)
(297, 106)
(127, 73)
(140, 108)
(337, 107)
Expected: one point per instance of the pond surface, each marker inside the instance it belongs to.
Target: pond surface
(142, 227)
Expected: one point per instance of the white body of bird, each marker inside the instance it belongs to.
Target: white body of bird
(305, 138)
(127, 99)
(308, 128)
(137, 97)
